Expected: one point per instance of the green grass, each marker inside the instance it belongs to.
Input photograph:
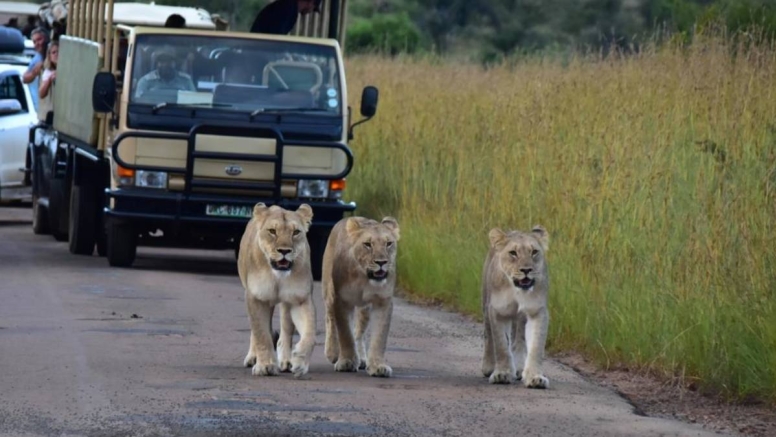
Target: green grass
(655, 175)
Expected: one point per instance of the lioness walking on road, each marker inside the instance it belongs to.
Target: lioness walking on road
(274, 267)
(515, 283)
(359, 271)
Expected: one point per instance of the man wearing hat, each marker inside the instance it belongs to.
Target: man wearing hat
(165, 76)
(279, 17)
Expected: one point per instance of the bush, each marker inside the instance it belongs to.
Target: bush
(390, 33)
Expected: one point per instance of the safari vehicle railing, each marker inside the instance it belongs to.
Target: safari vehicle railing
(191, 182)
(328, 23)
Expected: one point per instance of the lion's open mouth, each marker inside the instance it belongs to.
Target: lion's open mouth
(377, 275)
(524, 283)
(282, 264)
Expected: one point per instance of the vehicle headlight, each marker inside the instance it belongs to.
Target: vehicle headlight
(315, 188)
(151, 179)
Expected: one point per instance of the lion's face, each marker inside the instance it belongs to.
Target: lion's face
(283, 234)
(373, 246)
(520, 255)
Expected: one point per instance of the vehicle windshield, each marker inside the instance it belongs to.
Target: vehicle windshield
(234, 74)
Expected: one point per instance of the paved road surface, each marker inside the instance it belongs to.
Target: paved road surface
(86, 349)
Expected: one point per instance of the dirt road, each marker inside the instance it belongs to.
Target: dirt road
(86, 349)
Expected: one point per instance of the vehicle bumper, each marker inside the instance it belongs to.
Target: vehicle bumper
(170, 208)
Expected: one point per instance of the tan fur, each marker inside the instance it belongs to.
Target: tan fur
(270, 231)
(354, 248)
(515, 313)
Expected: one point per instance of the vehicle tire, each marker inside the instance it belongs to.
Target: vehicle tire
(122, 244)
(317, 239)
(82, 226)
(40, 218)
(56, 209)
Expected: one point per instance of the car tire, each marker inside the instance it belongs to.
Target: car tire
(40, 218)
(56, 209)
(317, 239)
(81, 222)
(121, 244)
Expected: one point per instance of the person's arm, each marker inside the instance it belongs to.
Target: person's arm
(32, 72)
(45, 83)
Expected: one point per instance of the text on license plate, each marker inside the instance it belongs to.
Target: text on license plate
(229, 210)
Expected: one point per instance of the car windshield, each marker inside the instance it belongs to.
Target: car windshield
(234, 74)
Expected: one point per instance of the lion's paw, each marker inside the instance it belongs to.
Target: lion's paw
(499, 377)
(265, 369)
(285, 366)
(535, 381)
(380, 370)
(300, 369)
(345, 366)
(250, 360)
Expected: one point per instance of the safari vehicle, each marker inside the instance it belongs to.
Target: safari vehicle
(172, 141)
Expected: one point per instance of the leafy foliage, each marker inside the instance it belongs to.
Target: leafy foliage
(505, 27)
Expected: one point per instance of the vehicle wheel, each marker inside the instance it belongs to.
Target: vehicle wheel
(82, 220)
(122, 244)
(40, 218)
(317, 239)
(56, 209)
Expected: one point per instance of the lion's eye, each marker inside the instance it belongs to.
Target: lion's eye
(296, 232)
(368, 245)
(272, 231)
(389, 244)
(513, 253)
(535, 252)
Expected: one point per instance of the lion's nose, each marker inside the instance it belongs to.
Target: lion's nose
(284, 252)
(381, 263)
(526, 271)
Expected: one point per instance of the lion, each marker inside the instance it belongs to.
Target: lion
(515, 286)
(359, 271)
(274, 267)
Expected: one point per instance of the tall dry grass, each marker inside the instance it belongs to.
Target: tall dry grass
(655, 175)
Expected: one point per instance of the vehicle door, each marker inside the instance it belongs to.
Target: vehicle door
(14, 129)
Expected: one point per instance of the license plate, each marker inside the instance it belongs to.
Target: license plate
(229, 211)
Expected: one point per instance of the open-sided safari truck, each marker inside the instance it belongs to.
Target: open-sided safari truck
(169, 137)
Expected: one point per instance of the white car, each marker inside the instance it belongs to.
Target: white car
(17, 115)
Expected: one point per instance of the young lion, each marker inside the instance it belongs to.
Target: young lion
(274, 267)
(359, 270)
(515, 283)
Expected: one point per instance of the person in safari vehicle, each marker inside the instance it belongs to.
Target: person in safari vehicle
(165, 77)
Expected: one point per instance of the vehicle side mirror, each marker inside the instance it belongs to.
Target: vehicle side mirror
(10, 106)
(368, 107)
(104, 92)
(369, 101)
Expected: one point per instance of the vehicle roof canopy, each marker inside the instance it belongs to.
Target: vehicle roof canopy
(143, 14)
(18, 8)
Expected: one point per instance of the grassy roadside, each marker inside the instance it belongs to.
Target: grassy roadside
(654, 174)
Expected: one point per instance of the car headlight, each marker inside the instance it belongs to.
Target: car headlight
(315, 188)
(151, 179)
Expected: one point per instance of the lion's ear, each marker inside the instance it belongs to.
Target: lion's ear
(352, 225)
(306, 213)
(496, 236)
(542, 235)
(259, 209)
(393, 225)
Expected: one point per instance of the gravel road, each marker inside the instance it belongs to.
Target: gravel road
(86, 349)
